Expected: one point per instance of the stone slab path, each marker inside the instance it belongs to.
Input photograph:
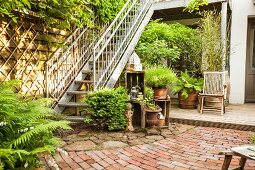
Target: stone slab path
(196, 149)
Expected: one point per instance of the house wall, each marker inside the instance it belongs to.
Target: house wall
(241, 9)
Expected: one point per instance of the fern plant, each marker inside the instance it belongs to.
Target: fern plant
(26, 128)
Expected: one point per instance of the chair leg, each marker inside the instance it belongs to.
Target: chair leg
(222, 106)
(201, 104)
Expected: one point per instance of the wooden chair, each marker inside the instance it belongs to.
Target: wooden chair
(214, 87)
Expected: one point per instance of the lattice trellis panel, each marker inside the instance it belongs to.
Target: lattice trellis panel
(23, 52)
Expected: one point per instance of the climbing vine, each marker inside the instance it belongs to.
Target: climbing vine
(63, 13)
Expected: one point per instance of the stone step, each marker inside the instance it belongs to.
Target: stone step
(72, 104)
(75, 118)
(77, 92)
(87, 71)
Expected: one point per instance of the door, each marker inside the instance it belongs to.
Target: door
(250, 64)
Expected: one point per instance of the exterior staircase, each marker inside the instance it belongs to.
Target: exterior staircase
(92, 62)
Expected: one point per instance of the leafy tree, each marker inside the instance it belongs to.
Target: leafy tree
(63, 13)
(162, 41)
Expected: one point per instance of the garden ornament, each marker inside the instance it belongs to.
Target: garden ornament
(129, 115)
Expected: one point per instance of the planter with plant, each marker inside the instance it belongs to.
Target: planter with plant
(107, 108)
(159, 79)
(152, 110)
(187, 88)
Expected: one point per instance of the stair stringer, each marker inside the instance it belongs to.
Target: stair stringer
(129, 50)
(72, 87)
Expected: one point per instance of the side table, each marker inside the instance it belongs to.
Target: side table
(245, 152)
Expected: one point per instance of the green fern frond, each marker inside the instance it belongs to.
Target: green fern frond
(42, 128)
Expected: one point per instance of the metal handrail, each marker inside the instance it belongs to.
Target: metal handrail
(65, 64)
(108, 50)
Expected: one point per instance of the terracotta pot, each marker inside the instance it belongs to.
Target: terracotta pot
(160, 93)
(152, 116)
(190, 102)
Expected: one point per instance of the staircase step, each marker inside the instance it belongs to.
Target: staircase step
(72, 104)
(77, 92)
(87, 71)
(83, 81)
(75, 118)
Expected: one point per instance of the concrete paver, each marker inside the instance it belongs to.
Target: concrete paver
(195, 149)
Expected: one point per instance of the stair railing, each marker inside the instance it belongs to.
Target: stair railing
(109, 49)
(64, 65)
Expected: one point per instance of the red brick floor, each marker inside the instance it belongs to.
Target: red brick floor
(196, 149)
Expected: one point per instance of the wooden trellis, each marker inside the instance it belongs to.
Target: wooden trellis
(23, 52)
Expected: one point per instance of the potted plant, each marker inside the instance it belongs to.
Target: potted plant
(159, 78)
(187, 88)
(152, 110)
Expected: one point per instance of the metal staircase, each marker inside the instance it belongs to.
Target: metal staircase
(93, 63)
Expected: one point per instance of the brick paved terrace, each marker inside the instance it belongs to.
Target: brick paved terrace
(193, 148)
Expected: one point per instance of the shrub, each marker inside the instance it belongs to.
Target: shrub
(107, 108)
(26, 128)
(162, 41)
(159, 77)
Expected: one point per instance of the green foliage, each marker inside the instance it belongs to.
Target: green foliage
(63, 13)
(108, 9)
(107, 108)
(213, 57)
(160, 41)
(149, 93)
(159, 76)
(148, 100)
(26, 128)
(186, 84)
(195, 4)
(253, 138)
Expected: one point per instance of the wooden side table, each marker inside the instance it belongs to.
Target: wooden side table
(245, 152)
(165, 105)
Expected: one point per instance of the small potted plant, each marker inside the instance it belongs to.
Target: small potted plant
(187, 88)
(152, 110)
(159, 78)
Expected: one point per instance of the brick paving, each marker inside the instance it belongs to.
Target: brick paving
(195, 149)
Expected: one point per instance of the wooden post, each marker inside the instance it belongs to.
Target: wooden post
(224, 16)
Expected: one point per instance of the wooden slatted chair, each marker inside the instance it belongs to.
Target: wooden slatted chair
(214, 87)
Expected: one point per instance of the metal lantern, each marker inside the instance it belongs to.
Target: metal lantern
(133, 93)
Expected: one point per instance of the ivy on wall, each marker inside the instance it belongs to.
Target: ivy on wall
(63, 13)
